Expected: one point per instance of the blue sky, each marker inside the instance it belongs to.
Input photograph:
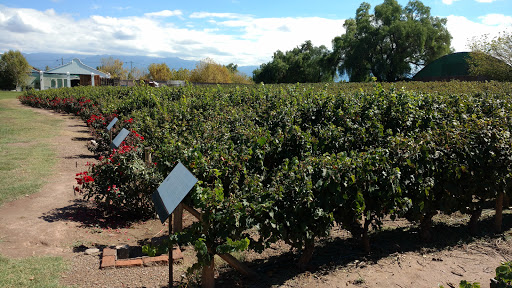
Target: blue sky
(228, 31)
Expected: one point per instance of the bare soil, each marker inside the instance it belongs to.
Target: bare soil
(56, 221)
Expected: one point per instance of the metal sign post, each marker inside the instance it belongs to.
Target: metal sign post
(171, 260)
(168, 196)
(119, 139)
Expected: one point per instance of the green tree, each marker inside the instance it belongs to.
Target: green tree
(237, 76)
(305, 63)
(181, 74)
(114, 67)
(233, 68)
(388, 43)
(14, 70)
(159, 72)
(492, 58)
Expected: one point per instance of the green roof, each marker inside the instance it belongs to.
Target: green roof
(76, 67)
(449, 66)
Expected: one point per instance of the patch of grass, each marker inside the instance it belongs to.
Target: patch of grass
(26, 156)
(8, 95)
(31, 272)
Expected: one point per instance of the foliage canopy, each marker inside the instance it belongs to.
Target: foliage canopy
(389, 42)
(114, 67)
(159, 72)
(492, 58)
(305, 63)
(14, 70)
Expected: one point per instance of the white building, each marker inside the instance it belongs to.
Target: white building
(71, 74)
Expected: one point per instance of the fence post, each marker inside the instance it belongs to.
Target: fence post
(147, 156)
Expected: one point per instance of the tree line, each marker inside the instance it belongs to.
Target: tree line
(389, 45)
(206, 71)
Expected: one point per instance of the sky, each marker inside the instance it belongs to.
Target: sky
(227, 31)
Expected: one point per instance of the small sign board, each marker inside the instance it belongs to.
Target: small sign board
(112, 123)
(119, 138)
(172, 190)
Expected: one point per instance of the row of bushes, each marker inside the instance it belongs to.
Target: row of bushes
(290, 161)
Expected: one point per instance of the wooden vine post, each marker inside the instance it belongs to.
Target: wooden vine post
(147, 156)
(499, 212)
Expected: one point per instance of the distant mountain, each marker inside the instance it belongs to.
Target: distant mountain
(52, 60)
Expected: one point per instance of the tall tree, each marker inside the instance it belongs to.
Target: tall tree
(232, 67)
(388, 43)
(159, 72)
(305, 63)
(114, 67)
(14, 70)
(181, 74)
(492, 58)
(208, 71)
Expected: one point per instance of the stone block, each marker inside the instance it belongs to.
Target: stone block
(156, 261)
(129, 263)
(109, 252)
(108, 262)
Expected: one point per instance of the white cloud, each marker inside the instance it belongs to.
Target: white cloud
(496, 19)
(228, 38)
(233, 38)
(199, 15)
(164, 13)
(464, 30)
(449, 2)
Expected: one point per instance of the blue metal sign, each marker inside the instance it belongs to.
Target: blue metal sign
(112, 123)
(119, 139)
(172, 190)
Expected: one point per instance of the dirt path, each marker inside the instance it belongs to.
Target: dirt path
(24, 228)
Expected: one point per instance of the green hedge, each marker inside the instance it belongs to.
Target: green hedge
(289, 161)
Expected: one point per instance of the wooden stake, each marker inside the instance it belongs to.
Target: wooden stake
(239, 266)
(147, 156)
(192, 211)
(178, 218)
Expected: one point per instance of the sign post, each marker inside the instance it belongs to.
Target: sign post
(110, 126)
(168, 196)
